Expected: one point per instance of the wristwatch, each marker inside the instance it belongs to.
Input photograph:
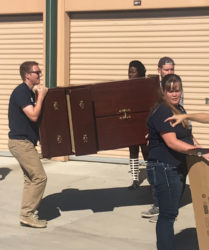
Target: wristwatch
(199, 153)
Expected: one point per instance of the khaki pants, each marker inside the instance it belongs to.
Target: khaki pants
(34, 175)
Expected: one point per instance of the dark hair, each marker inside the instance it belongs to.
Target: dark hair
(139, 67)
(26, 67)
(165, 60)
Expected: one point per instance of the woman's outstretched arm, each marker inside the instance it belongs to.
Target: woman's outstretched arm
(197, 117)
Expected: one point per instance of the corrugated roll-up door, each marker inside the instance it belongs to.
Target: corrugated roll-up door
(102, 47)
(21, 39)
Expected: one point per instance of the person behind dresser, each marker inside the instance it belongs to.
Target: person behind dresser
(23, 114)
(136, 69)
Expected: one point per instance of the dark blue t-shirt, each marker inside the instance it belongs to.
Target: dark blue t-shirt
(21, 127)
(158, 150)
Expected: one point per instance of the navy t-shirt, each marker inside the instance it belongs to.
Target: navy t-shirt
(158, 150)
(21, 127)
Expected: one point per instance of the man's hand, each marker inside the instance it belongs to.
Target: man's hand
(33, 112)
(41, 91)
(175, 119)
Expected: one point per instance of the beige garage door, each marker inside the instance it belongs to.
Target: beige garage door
(21, 39)
(102, 45)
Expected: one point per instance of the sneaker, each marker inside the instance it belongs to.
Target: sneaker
(33, 221)
(134, 185)
(153, 219)
(151, 212)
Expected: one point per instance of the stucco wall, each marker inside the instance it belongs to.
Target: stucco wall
(22, 6)
(102, 5)
(38, 6)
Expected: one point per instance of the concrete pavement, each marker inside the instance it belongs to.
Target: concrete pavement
(88, 207)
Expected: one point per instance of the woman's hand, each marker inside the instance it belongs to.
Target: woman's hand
(204, 152)
(206, 157)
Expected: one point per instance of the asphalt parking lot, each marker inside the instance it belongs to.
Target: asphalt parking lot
(88, 207)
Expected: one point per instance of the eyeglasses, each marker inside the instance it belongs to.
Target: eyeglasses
(36, 72)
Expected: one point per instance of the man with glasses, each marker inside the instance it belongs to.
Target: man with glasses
(23, 114)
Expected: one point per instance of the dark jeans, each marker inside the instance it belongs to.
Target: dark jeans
(134, 153)
(169, 182)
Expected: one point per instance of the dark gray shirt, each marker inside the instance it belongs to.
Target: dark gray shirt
(21, 127)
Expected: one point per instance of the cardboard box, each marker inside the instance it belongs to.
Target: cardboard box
(199, 184)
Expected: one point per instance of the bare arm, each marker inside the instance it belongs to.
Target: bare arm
(33, 112)
(197, 117)
(176, 144)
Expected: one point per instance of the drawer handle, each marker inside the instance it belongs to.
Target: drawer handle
(59, 139)
(82, 104)
(85, 138)
(55, 105)
(124, 115)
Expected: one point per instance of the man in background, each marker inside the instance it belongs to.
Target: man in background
(166, 66)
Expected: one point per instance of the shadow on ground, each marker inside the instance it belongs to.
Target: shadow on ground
(4, 172)
(98, 200)
(187, 240)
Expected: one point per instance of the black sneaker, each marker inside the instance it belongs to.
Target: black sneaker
(151, 212)
(134, 185)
